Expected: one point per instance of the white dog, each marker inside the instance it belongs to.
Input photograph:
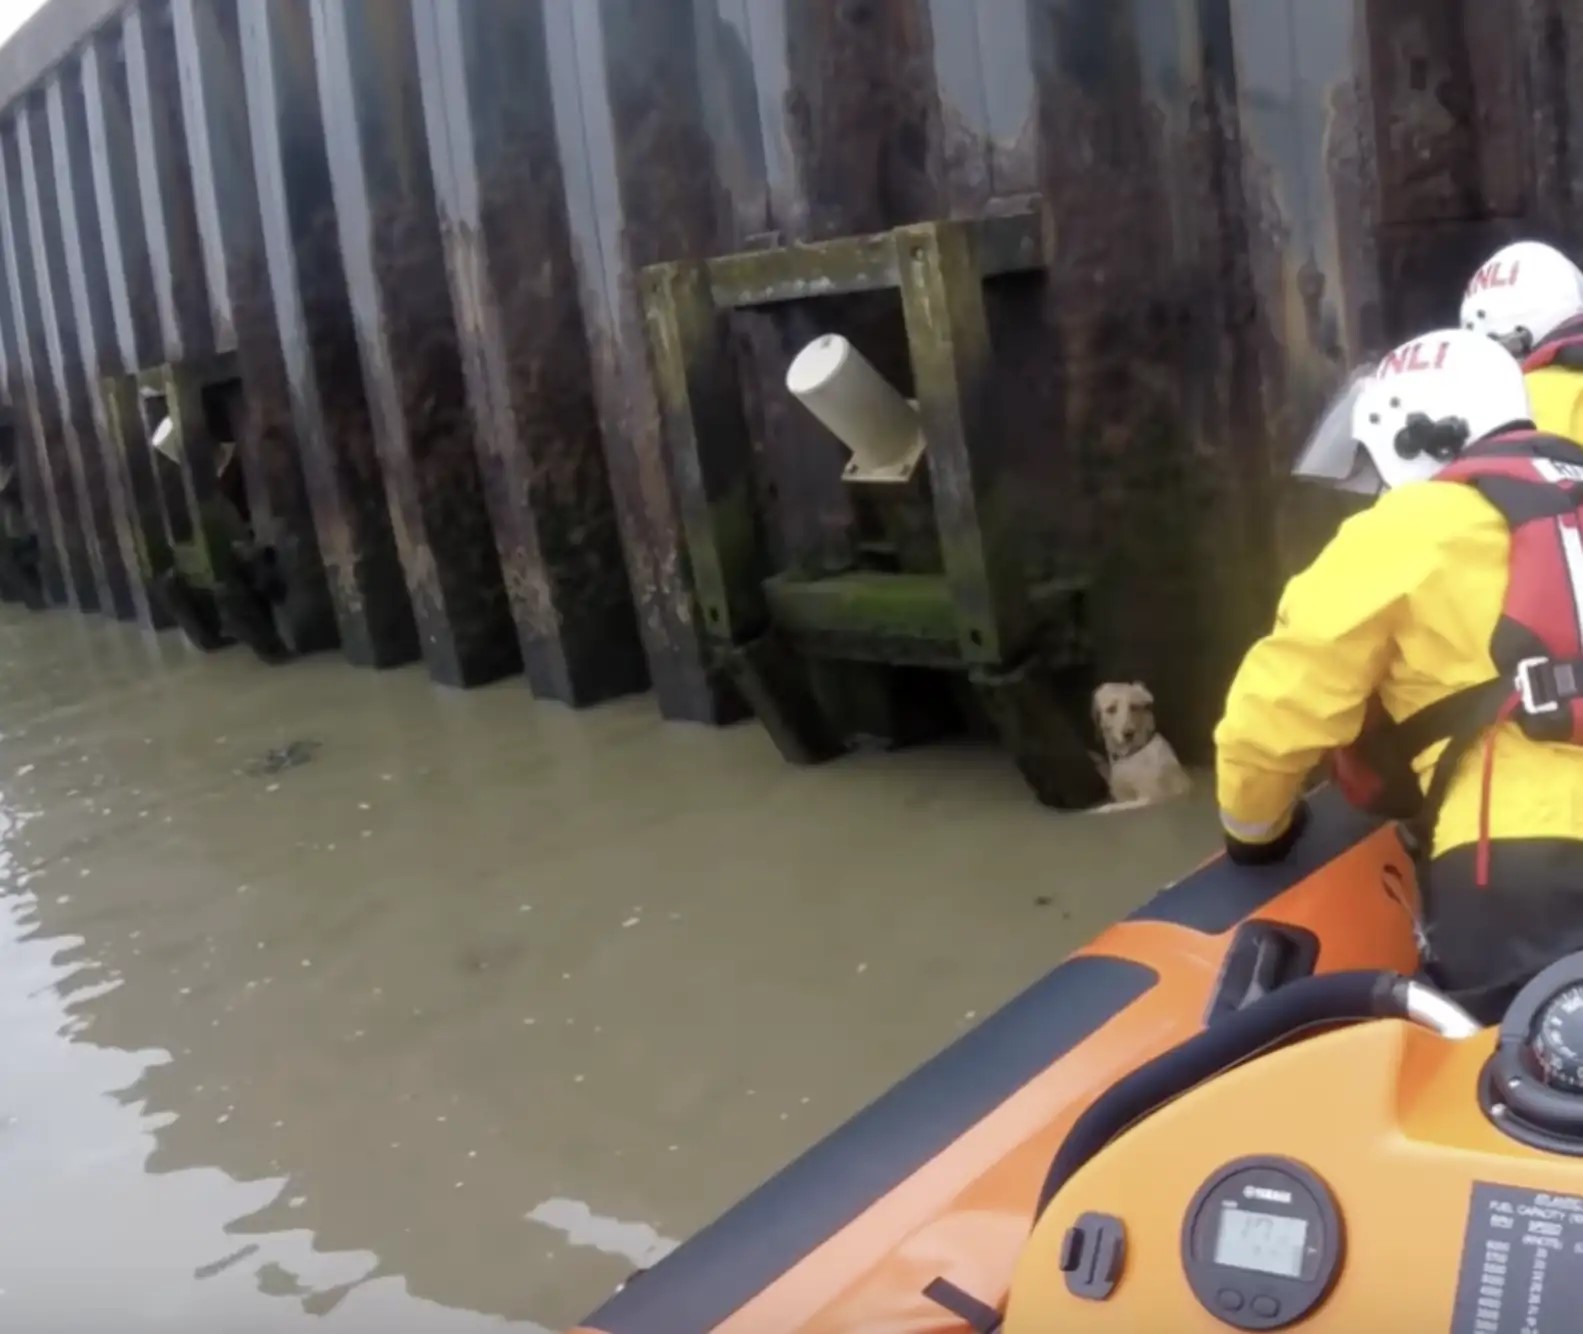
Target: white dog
(1139, 764)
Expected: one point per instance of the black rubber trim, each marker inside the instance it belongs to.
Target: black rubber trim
(1214, 899)
(741, 1253)
(1312, 1002)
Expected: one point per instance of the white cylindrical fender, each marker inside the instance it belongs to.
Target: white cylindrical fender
(164, 440)
(862, 409)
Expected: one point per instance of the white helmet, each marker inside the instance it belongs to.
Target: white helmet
(1431, 397)
(1522, 295)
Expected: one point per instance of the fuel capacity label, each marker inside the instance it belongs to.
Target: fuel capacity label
(1522, 1263)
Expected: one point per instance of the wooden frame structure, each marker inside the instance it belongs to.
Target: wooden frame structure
(1020, 644)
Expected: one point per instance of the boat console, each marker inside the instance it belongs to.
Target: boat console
(1347, 1174)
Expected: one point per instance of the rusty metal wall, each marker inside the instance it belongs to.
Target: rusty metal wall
(419, 224)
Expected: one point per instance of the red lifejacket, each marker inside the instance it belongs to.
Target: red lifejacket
(1563, 347)
(1536, 483)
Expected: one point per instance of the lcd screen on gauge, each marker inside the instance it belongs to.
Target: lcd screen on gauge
(1265, 1243)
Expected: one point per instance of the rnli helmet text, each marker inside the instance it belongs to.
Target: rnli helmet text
(1420, 356)
(1497, 274)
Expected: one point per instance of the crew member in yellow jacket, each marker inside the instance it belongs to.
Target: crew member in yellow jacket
(1529, 298)
(1403, 606)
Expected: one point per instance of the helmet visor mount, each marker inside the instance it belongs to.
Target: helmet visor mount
(1519, 342)
(1332, 455)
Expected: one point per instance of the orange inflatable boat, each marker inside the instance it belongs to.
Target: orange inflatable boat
(1409, 1171)
(913, 1217)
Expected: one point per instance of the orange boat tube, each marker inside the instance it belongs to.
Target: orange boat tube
(932, 1190)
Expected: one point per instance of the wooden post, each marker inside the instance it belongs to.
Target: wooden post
(711, 454)
(943, 298)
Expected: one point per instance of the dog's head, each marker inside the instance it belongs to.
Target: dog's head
(1124, 715)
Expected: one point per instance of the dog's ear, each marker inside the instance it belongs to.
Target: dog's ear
(1142, 694)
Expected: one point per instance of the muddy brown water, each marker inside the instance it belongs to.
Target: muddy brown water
(331, 999)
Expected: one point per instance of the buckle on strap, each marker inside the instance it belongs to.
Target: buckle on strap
(1544, 685)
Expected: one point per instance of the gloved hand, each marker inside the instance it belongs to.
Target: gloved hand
(1266, 854)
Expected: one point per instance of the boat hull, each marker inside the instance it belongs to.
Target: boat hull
(939, 1177)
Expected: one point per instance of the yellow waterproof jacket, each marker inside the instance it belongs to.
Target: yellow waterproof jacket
(1402, 603)
(1556, 393)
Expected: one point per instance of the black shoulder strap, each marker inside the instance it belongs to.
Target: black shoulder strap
(1479, 710)
(1521, 501)
(1459, 720)
(1517, 442)
(1446, 718)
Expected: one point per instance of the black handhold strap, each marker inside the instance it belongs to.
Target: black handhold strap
(978, 1316)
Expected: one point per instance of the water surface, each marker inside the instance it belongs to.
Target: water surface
(330, 999)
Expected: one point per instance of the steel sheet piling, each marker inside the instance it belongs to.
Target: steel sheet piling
(36, 506)
(242, 309)
(131, 338)
(307, 286)
(60, 360)
(499, 187)
(438, 318)
(67, 529)
(395, 269)
(621, 79)
(90, 318)
(128, 268)
(170, 227)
